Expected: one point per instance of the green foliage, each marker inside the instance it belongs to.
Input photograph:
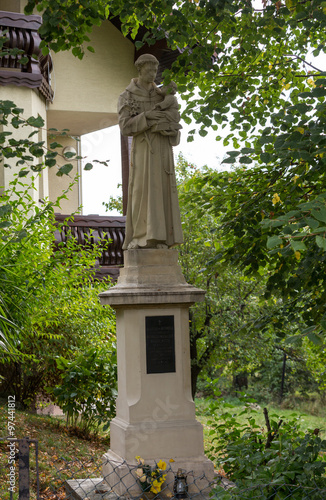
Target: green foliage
(114, 204)
(49, 302)
(243, 58)
(280, 454)
(219, 339)
(250, 68)
(88, 387)
(26, 153)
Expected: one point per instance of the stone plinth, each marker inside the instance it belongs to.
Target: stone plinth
(155, 410)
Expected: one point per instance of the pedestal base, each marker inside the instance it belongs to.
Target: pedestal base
(155, 410)
(123, 480)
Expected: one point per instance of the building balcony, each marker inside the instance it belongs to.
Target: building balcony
(21, 33)
(94, 230)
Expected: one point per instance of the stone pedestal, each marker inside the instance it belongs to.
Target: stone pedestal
(155, 411)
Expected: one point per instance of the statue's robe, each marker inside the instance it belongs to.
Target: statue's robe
(153, 214)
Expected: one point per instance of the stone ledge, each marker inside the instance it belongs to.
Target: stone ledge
(122, 478)
(137, 295)
(98, 489)
(89, 489)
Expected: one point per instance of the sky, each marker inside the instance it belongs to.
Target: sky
(101, 182)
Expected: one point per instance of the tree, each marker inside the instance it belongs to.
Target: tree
(250, 66)
(241, 55)
(218, 337)
(241, 328)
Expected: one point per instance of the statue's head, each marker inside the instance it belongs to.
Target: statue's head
(146, 59)
(170, 88)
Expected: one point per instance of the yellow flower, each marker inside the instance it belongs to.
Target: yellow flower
(171, 460)
(275, 198)
(161, 465)
(156, 486)
(140, 460)
(297, 255)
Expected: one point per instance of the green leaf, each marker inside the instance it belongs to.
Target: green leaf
(245, 160)
(274, 241)
(69, 155)
(232, 159)
(319, 213)
(319, 92)
(65, 169)
(321, 242)
(5, 223)
(88, 166)
(55, 145)
(313, 223)
(265, 157)
(314, 338)
(297, 245)
(323, 322)
(23, 173)
(36, 122)
(5, 209)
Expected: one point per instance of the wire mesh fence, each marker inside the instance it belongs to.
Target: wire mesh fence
(71, 480)
(90, 479)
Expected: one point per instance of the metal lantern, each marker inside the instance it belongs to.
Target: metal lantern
(180, 485)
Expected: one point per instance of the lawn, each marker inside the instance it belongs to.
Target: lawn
(61, 455)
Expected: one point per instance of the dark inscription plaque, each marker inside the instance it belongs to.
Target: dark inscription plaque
(160, 351)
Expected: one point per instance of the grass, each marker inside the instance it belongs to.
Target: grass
(63, 455)
(306, 420)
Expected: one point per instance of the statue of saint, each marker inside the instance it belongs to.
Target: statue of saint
(151, 116)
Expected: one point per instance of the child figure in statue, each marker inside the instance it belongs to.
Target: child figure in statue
(170, 126)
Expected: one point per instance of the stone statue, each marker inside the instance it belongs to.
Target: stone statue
(151, 116)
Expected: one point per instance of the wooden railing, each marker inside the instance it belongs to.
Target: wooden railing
(22, 33)
(94, 230)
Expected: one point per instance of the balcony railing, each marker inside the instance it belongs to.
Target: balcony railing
(21, 33)
(94, 230)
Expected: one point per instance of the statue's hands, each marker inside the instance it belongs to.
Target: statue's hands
(155, 114)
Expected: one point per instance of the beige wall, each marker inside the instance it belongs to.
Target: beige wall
(86, 95)
(33, 105)
(13, 5)
(87, 91)
(57, 185)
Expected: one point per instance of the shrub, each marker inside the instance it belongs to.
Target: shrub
(88, 388)
(280, 454)
(48, 301)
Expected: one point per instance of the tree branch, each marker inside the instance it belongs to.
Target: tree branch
(303, 60)
(270, 434)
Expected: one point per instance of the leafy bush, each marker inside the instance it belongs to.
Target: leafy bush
(48, 300)
(88, 388)
(281, 453)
